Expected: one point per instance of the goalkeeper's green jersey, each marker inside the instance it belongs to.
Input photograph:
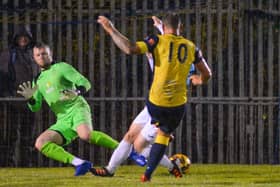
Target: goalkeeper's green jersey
(51, 82)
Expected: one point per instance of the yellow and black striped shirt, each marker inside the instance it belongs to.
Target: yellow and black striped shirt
(173, 56)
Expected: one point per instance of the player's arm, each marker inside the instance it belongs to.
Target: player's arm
(191, 72)
(120, 40)
(31, 94)
(158, 24)
(82, 84)
(202, 67)
(35, 102)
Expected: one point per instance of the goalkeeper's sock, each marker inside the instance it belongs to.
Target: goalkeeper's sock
(102, 139)
(56, 152)
(120, 154)
(77, 161)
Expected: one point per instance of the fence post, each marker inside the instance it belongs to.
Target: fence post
(276, 145)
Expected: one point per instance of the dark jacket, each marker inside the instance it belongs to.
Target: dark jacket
(17, 65)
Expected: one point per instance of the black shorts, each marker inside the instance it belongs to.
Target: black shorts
(168, 118)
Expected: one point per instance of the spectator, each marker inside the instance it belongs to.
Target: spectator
(17, 65)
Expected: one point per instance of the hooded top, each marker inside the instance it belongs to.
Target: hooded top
(22, 30)
(17, 65)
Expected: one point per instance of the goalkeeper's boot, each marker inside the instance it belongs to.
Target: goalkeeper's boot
(144, 178)
(101, 172)
(176, 171)
(137, 158)
(83, 168)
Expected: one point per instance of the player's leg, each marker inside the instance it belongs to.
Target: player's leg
(145, 138)
(120, 154)
(143, 147)
(124, 149)
(86, 133)
(156, 154)
(83, 126)
(49, 144)
(102, 139)
(167, 120)
(143, 144)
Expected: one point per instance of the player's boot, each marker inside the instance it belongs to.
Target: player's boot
(144, 178)
(83, 168)
(137, 158)
(175, 170)
(101, 172)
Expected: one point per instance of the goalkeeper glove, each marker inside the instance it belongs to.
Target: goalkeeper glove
(26, 90)
(68, 94)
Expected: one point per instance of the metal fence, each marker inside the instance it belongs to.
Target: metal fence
(234, 119)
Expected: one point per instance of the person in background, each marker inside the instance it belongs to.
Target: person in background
(17, 66)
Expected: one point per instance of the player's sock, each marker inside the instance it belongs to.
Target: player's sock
(56, 152)
(77, 161)
(165, 162)
(157, 152)
(102, 139)
(146, 151)
(138, 158)
(120, 154)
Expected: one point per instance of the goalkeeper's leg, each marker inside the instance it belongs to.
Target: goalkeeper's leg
(86, 133)
(102, 139)
(48, 143)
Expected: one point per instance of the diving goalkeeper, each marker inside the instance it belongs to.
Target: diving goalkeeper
(62, 87)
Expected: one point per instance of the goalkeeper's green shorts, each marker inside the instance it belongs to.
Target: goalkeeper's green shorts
(67, 125)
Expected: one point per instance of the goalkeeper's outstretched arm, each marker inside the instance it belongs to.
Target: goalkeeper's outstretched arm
(31, 94)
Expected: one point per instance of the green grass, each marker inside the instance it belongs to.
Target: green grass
(203, 175)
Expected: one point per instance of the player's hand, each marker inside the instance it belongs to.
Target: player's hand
(158, 24)
(26, 90)
(196, 80)
(68, 94)
(157, 21)
(105, 23)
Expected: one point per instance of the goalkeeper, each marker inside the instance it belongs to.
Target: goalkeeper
(62, 87)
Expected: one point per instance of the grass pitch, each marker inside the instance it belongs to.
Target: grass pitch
(203, 175)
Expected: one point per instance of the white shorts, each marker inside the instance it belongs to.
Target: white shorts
(149, 132)
(144, 119)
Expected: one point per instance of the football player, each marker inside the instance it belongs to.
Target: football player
(173, 56)
(62, 87)
(140, 136)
